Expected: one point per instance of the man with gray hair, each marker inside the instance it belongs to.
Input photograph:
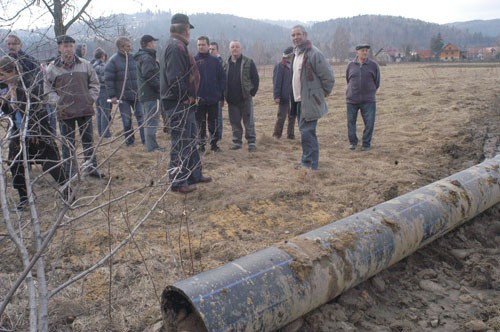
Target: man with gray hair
(242, 84)
(363, 80)
(179, 83)
(312, 81)
(29, 65)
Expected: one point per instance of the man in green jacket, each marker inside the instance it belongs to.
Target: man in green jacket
(312, 81)
(241, 86)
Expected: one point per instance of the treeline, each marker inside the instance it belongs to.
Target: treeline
(264, 41)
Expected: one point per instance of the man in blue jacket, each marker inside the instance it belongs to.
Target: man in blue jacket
(210, 93)
(120, 75)
(363, 80)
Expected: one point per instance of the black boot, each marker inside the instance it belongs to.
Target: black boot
(23, 203)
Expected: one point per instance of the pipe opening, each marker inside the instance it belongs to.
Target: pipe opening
(179, 314)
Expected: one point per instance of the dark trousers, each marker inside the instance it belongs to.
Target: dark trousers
(208, 114)
(68, 130)
(243, 111)
(283, 113)
(41, 150)
(185, 163)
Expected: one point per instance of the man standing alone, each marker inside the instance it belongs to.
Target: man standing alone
(363, 80)
(242, 85)
(312, 81)
(179, 82)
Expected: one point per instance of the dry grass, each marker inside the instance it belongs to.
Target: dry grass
(431, 122)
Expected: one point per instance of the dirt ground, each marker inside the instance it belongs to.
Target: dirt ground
(433, 120)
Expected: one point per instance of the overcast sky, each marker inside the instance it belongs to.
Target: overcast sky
(436, 11)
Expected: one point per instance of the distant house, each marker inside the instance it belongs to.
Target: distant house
(390, 54)
(450, 52)
(483, 53)
(422, 54)
(487, 53)
(473, 53)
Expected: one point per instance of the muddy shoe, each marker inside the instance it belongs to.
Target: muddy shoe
(184, 189)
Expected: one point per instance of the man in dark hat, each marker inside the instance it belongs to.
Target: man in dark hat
(148, 82)
(282, 92)
(179, 82)
(73, 86)
(363, 80)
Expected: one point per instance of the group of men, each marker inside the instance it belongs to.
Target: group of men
(192, 90)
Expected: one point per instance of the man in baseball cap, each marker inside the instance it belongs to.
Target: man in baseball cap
(181, 19)
(147, 39)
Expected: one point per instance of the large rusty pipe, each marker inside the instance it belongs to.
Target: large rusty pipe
(272, 287)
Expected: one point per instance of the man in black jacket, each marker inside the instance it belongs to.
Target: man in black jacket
(211, 93)
(179, 82)
(148, 78)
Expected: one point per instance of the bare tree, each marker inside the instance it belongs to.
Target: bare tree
(63, 13)
(341, 44)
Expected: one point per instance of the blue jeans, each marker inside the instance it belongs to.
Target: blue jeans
(152, 118)
(126, 114)
(103, 114)
(185, 163)
(237, 113)
(68, 130)
(368, 111)
(309, 141)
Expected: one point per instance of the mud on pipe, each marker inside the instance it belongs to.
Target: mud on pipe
(270, 288)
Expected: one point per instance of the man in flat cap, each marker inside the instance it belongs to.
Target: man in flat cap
(73, 86)
(282, 93)
(179, 83)
(363, 80)
(148, 82)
